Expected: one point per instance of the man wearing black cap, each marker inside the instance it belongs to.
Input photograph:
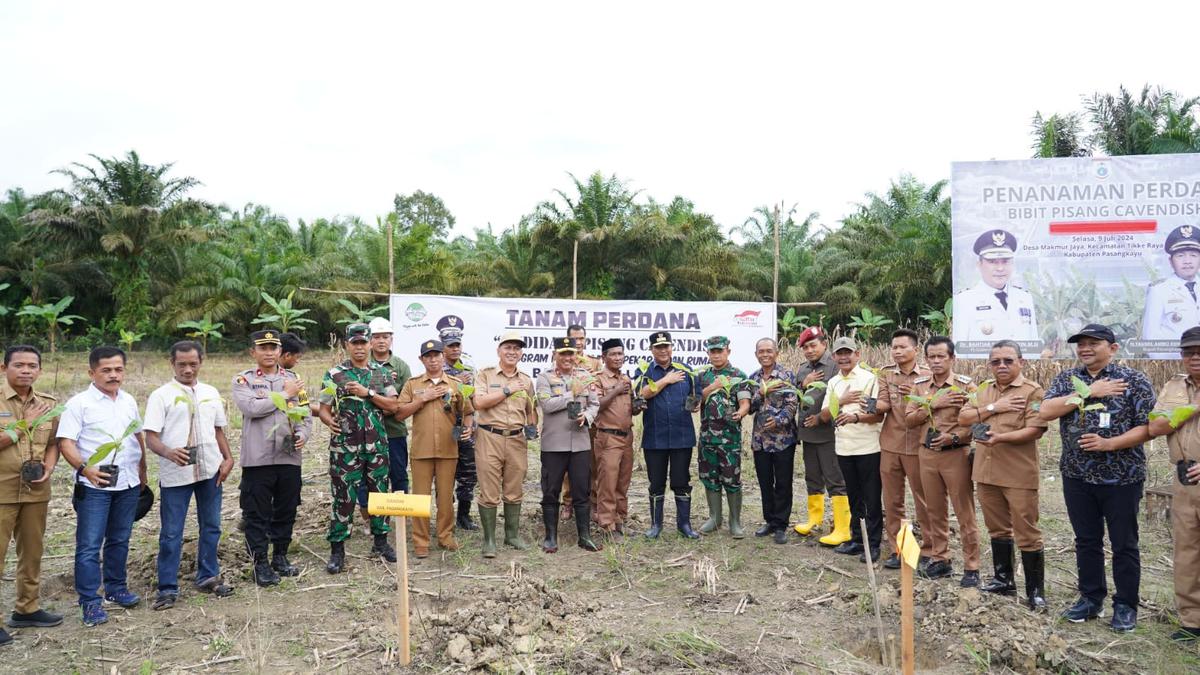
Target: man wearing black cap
(458, 366)
(613, 445)
(363, 392)
(1181, 425)
(669, 434)
(270, 456)
(1171, 304)
(995, 308)
(1104, 409)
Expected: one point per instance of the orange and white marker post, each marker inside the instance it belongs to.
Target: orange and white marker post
(910, 555)
(402, 506)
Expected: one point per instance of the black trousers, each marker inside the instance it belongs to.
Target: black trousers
(1090, 508)
(775, 471)
(864, 490)
(659, 463)
(577, 466)
(465, 476)
(269, 498)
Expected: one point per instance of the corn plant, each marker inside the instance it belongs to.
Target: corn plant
(286, 316)
(51, 315)
(1175, 416)
(202, 330)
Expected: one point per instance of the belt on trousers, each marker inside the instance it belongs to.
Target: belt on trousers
(614, 432)
(944, 448)
(500, 432)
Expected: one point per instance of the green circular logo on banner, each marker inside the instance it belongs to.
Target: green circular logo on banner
(415, 312)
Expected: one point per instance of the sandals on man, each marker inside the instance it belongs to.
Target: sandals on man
(215, 586)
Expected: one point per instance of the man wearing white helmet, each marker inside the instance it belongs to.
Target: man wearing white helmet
(397, 431)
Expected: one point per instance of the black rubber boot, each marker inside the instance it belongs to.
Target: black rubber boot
(1034, 563)
(683, 516)
(337, 557)
(464, 522)
(281, 564)
(550, 521)
(583, 526)
(383, 549)
(1002, 560)
(656, 516)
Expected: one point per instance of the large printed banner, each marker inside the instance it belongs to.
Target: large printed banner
(1044, 246)
(416, 318)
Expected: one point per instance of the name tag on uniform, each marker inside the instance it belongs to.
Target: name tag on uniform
(495, 386)
(983, 308)
(1105, 420)
(5, 413)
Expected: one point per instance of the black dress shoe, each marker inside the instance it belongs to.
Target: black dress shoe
(1083, 610)
(1185, 634)
(781, 537)
(848, 548)
(938, 569)
(862, 557)
(764, 531)
(39, 619)
(892, 563)
(5, 638)
(970, 579)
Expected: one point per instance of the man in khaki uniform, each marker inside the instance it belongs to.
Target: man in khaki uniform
(1183, 442)
(945, 462)
(613, 445)
(1006, 470)
(436, 405)
(899, 444)
(23, 502)
(506, 414)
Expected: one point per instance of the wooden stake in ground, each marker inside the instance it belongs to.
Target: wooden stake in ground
(402, 506)
(884, 657)
(910, 554)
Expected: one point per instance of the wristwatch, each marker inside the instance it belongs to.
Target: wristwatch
(506, 390)
(370, 393)
(954, 439)
(991, 407)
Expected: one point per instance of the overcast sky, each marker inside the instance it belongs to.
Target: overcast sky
(332, 108)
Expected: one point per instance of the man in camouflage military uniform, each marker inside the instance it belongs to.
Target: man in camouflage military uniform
(465, 477)
(358, 453)
(726, 400)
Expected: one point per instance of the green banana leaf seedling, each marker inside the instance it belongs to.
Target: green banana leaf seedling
(113, 446)
(727, 384)
(926, 402)
(1082, 392)
(1175, 416)
(26, 427)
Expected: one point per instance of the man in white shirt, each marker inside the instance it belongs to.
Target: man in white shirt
(98, 436)
(1171, 304)
(995, 308)
(184, 425)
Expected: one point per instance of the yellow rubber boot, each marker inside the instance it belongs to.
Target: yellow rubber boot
(816, 514)
(841, 523)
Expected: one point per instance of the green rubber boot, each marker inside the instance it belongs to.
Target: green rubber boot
(714, 513)
(487, 519)
(735, 515)
(512, 527)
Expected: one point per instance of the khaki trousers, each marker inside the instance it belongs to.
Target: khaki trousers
(501, 462)
(947, 475)
(1011, 513)
(1185, 528)
(893, 469)
(27, 524)
(613, 459)
(424, 472)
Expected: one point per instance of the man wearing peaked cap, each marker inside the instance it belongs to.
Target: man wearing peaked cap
(726, 396)
(458, 365)
(1171, 304)
(449, 321)
(821, 470)
(363, 394)
(995, 308)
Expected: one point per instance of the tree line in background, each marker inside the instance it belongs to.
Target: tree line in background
(124, 253)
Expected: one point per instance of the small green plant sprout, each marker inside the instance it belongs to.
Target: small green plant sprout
(358, 315)
(295, 413)
(1082, 392)
(113, 446)
(1175, 416)
(128, 338)
(51, 315)
(24, 426)
(284, 314)
(727, 384)
(835, 406)
(806, 396)
(202, 330)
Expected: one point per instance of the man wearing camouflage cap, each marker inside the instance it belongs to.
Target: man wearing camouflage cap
(725, 399)
(458, 366)
(1171, 304)
(356, 395)
(995, 308)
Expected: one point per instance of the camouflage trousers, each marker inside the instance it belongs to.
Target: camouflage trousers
(353, 468)
(465, 476)
(720, 464)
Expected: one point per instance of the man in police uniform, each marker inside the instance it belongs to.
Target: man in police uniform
(458, 366)
(995, 308)
(270, 456)
(1171, 304)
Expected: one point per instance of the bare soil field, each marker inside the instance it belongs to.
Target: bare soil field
(713, 605)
